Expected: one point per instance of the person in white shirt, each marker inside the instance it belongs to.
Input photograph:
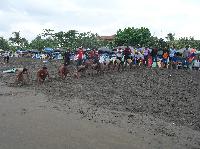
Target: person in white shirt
(6, 57)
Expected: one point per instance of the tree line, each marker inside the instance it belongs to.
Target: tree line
(136, 37)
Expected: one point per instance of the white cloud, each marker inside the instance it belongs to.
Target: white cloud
(104, 17)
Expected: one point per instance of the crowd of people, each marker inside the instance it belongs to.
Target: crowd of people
(166, 58)
(119, 59)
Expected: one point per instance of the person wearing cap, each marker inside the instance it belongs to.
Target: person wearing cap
(20, 76)
(42, 74)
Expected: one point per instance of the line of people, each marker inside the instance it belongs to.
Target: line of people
(146, 57)
(120, 58)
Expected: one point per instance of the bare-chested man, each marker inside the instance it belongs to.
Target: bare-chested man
(63, 71)
(20, 76)
(42, 74)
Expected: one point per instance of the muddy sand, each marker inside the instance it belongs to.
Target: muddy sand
(141, 108)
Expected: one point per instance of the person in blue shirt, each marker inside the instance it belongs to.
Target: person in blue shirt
(172, 52)
(174, 61)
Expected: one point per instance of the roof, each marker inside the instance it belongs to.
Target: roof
(107, 37)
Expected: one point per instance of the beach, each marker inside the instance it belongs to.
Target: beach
(139, 108)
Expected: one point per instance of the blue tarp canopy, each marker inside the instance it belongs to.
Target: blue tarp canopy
(34, 51)
(21, 51)
(48, 50)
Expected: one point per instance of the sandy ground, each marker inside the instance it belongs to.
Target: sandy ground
(132, 109)
(27, 120)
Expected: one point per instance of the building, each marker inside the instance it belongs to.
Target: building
(107, 38)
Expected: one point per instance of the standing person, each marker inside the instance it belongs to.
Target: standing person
(196, 63)
(80, 56)
(146, 53)
(186, 52)
(6, 57)
(67, 56)
(174, 61)
(165, 59)
(91, 54)
(42, 74)
(191, 58)
(172, 53)
(96, 57)
(154, 54)
(127, 54)
(20, 76)
(150, 61)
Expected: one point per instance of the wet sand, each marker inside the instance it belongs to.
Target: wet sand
(27, 120)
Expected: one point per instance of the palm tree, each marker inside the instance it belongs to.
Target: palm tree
(170, 37)
(18, 41)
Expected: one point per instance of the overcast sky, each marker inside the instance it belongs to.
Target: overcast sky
(104, 17)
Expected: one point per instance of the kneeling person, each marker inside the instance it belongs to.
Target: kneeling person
(42, 74)
(63, 71)
(20, 76)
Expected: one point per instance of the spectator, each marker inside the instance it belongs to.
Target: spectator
(165, 59)
(67, 56)
(80, 56)
(146, 53)
(6, 57)
(154, 53)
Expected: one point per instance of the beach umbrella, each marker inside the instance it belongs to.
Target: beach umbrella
(59, 50)
(48, 50)
(105, 49)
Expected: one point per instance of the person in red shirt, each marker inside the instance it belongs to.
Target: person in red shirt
(127, 53)
(80, 56)
(91, 55)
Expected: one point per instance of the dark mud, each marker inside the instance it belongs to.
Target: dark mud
(161, 100)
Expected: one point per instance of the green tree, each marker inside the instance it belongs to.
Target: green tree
(37, 43)
(88, 40)
(133, 36)
(170, 37)
(18, 41)
(4, 45)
